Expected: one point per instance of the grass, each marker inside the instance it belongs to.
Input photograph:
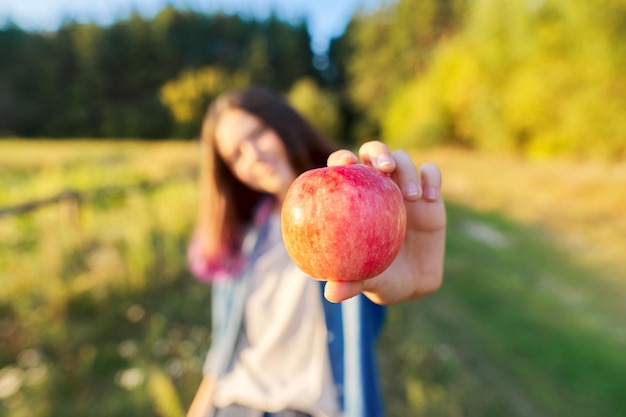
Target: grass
(36, 169)
(98, 315)
(530, 321)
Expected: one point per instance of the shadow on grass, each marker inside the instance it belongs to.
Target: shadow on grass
(515, 330)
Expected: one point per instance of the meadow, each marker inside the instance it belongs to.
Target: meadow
(99, 316)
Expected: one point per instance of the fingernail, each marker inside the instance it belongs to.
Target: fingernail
(411, 190)
(431, 193)
(384, 161)
(343, 156)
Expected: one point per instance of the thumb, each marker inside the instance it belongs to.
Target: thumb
(336, 291)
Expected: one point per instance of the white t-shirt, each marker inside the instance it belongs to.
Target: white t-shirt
(282, 361)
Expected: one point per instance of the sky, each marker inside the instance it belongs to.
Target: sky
(326, 18)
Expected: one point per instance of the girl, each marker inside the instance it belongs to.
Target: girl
(284, 344)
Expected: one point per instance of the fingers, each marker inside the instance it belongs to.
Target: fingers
(431, 182)
(341, 157)
(426, 216)
(406, 176)
(377, 155)
(415, 185)
(397, 163)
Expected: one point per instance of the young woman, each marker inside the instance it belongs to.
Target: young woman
(284, 344)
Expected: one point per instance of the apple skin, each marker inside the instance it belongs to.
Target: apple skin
(343, 223)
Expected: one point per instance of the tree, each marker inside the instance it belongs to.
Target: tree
(390, 47)
(188, 95)
(320, 107)
(542, 78)
(92, 81)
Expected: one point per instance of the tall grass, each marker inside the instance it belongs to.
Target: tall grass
(95, 318)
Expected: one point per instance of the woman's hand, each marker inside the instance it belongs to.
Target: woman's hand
(418, 268)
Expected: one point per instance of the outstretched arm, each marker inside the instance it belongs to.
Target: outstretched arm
(418, 268)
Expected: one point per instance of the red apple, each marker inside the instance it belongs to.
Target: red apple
(343, 223)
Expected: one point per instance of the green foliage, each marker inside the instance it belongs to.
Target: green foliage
(413, 123)
(319, 106)
(390, 47)
(542, 78)
(188, 95)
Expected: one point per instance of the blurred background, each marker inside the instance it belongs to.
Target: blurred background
(520, 102)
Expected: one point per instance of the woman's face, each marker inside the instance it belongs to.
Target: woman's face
(254, 152)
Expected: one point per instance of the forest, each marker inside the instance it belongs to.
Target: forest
(536, 77)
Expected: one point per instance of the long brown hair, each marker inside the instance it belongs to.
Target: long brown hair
(227, 205)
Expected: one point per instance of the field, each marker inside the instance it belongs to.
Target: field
(99, 317)
(531, 319)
